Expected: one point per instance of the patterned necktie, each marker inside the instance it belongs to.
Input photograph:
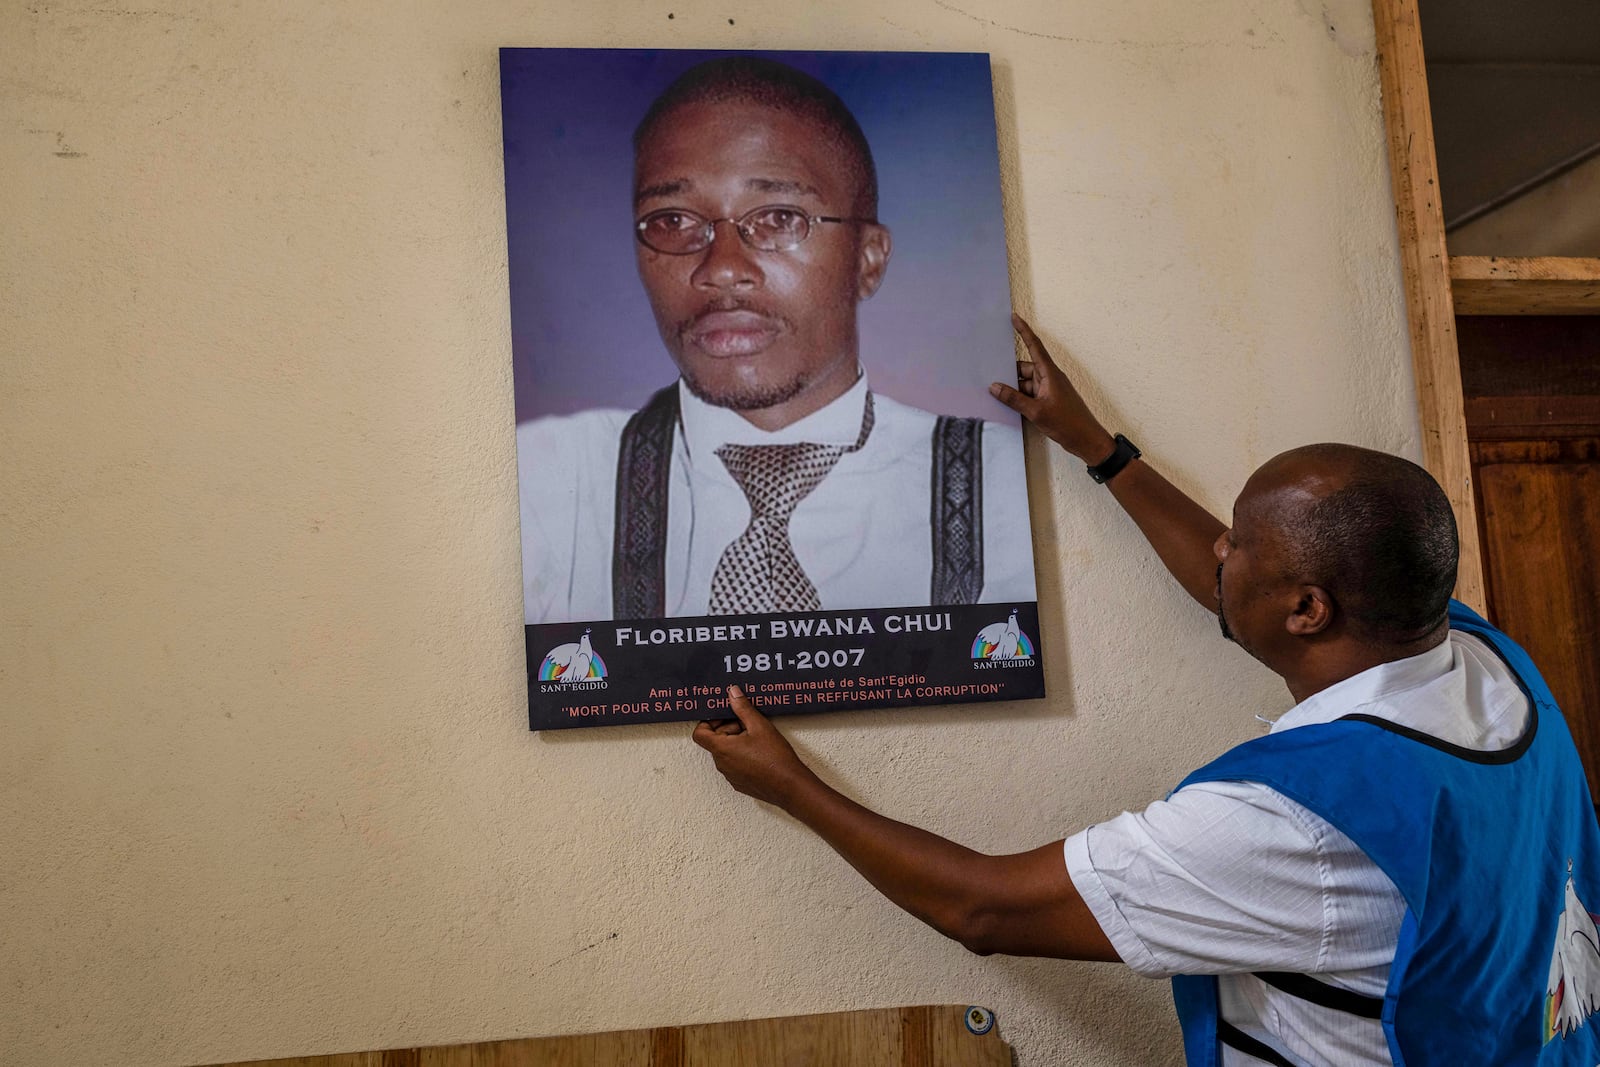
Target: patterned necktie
(759, 572)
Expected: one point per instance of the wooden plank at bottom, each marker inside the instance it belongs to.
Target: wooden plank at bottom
(618, 1048)
(343, 1059)
(916, 1037)
(844, 1039)
(926, 1036)
(951, 1040)
(666, 1047)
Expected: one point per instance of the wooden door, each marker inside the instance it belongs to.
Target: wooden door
(1532, 389)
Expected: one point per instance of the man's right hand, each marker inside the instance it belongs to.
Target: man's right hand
(1182, 532)
(751, 754)
(1045, 397)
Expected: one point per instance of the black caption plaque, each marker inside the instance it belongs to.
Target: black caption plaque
(669, 670)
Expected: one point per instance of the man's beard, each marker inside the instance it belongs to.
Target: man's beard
(748, 398)
(1222, 616)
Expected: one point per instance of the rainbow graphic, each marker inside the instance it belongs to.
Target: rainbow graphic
(983, 648)
(576, 661)
(1002, 640)
(551, 671)
(1552, 1008)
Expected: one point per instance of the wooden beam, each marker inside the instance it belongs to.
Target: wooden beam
(1525, 285)
(1508, 418)
(1425, 270)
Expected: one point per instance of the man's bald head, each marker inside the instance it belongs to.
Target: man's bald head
(1374, 530)
(757, 80)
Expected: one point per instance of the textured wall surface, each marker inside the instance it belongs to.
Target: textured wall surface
(265, 780)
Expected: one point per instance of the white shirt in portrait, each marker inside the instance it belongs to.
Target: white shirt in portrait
(862, 535)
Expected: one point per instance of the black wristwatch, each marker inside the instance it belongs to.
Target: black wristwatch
(1125, 453)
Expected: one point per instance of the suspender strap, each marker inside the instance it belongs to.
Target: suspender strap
(644, 469)
(956, 518)
(1307, 988)
(1236, 1038)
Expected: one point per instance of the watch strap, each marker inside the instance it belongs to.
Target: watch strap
(1124, 453)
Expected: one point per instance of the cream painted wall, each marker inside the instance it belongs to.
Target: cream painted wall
(266, 783)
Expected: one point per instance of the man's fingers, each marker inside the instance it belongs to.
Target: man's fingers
(746, 711)
(703, 733)
(1030, 340)
(1014, 399)
(708, 733)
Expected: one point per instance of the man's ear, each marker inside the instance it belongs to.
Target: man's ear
(872, 260)
(1313, 612)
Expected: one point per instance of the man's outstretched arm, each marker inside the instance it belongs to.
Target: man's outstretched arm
(1180, 530)
(1023, 904)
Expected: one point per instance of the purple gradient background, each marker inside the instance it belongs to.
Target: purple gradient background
(582, 334)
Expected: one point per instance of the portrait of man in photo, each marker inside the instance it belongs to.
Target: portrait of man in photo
(758, 466)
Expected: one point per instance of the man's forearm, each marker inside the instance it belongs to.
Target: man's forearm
(1180, 530)
(1023, 904)
(921, 872)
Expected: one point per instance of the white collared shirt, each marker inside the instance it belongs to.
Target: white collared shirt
(1229, 877)
(862, 535)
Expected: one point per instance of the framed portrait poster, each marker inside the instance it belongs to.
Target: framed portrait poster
(756, 300)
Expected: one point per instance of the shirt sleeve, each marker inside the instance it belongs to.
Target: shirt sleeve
(1230, 877)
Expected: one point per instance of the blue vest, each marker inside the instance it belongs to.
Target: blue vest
(1496, 963)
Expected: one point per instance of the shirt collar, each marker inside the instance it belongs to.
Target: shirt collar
(1373, 686)
(707, 428)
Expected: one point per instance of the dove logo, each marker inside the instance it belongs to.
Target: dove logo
(1573, 991)
(1002, 641)
(572, 666)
